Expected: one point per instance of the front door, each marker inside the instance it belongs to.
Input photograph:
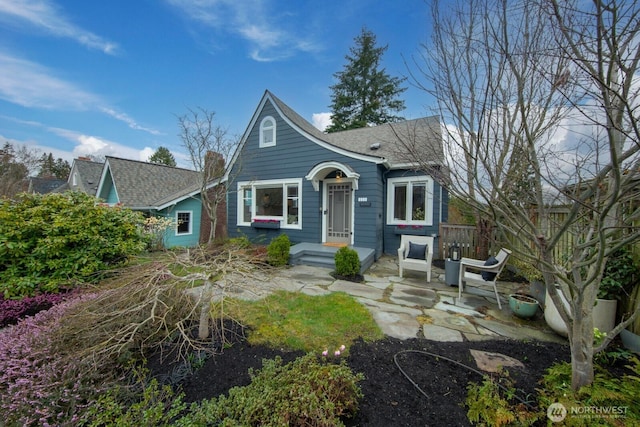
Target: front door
(339, 213)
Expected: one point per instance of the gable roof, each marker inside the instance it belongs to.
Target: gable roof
(89, 173)
(142, 185)
(383, 144)
(41, 185)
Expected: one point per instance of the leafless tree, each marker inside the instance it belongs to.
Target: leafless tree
(209, 147)
(16, 165)
(538, 100)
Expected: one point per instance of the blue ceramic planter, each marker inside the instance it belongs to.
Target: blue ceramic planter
(523, 306)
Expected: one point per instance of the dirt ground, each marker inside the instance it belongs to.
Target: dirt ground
(390, 366)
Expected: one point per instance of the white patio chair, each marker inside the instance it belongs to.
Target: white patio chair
(415, 253)
(488, 272)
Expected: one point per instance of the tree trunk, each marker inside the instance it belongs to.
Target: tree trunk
(581, 343)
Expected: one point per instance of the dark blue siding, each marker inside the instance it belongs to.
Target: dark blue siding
(440, 214)
(293, 157)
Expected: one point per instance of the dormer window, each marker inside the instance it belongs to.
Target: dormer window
(267, 132)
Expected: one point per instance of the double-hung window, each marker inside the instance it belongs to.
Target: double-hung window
(410, 200)
(183, 223)
(272, 200)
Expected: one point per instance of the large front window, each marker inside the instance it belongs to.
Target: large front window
(410, 200)
(274, 200)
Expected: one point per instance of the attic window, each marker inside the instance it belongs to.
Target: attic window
(374, 146)
(267, 132)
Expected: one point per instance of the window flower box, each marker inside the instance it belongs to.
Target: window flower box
(410, 229)
(266, 223)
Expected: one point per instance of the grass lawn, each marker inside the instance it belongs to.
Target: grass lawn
(296, 321)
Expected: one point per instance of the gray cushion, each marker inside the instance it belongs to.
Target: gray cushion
(417, 251)
(486, 275)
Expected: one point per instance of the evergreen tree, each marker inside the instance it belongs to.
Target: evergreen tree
(58, 168)
(46, 165)
(163, 156)
(61, 168)
(365, 95)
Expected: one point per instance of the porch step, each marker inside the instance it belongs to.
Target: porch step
(317, 261)
(323, 256)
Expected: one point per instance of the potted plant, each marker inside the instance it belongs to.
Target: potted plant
(533, 276)
(617, 280)
(626, 272)
(523, 305)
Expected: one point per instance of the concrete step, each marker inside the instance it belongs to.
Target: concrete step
(323, 256)
(317, 261)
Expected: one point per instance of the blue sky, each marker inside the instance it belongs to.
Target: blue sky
(110, 77)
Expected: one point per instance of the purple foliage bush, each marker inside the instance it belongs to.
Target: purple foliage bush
(42, 382)
(12, 311)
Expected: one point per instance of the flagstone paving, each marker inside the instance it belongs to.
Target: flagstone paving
(409, 307)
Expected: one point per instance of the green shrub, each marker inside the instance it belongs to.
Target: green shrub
(241, 242)
(606, 391)
(347, 262)
(490, 405)
(305, 392)
(50, 240)
(159, 406)
(278, 250)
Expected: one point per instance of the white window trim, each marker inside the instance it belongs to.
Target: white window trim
(268, 183)
(428, 214)
(190, 223)
(263, 144)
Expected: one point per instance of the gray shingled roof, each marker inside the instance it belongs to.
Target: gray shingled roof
(42, 185)
(143, 185)
(89, 173)
(387, 141)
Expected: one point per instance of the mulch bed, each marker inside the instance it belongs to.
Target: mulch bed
(390, 398)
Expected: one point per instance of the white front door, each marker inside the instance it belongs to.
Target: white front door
(338, 213)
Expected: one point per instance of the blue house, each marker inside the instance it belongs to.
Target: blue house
(156, 190)
(361, 188)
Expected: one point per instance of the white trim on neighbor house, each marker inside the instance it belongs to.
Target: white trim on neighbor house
(267, 132)
(410, 182)
(291, 216)
(178, 223)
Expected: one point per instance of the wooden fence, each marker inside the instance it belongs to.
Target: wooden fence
(478, 242)
(472, 243)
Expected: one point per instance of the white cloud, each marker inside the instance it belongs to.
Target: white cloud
(252, 20)
(29, 84)
(123, 117)
(321, 120)
(94, 145)
(45, 15)
(145, 153)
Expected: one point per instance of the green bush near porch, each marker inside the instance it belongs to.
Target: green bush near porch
(347, 262)
(278, 251)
